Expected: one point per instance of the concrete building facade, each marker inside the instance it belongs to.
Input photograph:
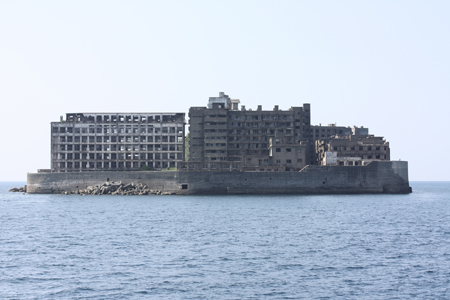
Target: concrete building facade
(117, 141)
(319, 132)
(223, 132)
(290, 155)
(343, 150)
(322, 132)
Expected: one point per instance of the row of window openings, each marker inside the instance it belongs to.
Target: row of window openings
(288, 150)
(250, 132)
(265, 162)
(328, 131)
(352, 148)
(240, 146)
(231, 154)
(120, 139)
(222, 158)
(120, 148)
(128, 119)
(288, 161)
(237, 152)
(349, 163)
(248, 138)
(248, 152)
(218, 158)
(269, 117)
(112, 165)
(239, 138)
(263, 118)
(99, 129)
(248, 146)
(120, 156)
(256, 125)
(222, 137)
(263, 131)
(215, 151)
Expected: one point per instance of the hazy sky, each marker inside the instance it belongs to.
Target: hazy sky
(379, 64)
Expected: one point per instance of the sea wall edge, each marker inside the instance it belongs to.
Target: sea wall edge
(376, 178)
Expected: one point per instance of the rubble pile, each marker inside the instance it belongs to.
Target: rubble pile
(19, 190)
(118, 188)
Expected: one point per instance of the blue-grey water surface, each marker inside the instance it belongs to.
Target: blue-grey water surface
(226, 247)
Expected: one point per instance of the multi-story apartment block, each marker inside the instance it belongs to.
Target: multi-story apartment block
(117, 141)
(319, 132)
(222, 132)
(341, 149)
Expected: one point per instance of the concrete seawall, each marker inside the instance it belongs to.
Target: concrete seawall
(377, 177)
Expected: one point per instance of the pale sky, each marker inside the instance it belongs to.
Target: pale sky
(384, 65)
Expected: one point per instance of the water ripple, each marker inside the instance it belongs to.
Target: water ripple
(236, 247)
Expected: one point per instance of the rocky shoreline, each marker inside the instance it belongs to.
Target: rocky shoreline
(118, 188)
(19, 190)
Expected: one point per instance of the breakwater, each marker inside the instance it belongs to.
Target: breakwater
(376, 177)
(118, 188)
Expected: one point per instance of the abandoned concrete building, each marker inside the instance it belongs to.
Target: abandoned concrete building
(319, 132)
(283, 156)
(117, 141)
(223, 136)
(221, 132)
(290, 155)
(352, 150)
(322, 132)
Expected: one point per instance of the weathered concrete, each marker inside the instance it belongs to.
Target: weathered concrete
(377, 177)
(218, 134)
(87, 142)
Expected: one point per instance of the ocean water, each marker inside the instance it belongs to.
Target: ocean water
(226, 247)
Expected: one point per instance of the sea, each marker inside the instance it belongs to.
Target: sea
(226, 247)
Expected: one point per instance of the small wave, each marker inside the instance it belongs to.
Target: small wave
(142, 292)
(355, 268)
